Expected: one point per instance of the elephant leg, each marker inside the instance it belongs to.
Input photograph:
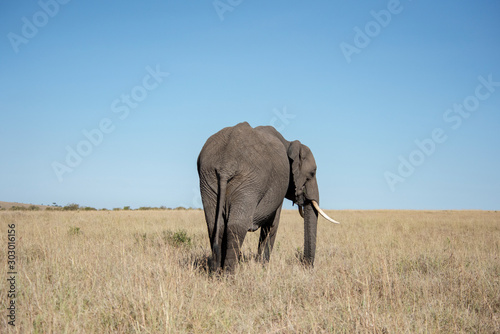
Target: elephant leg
(234, 236)
(267, 235)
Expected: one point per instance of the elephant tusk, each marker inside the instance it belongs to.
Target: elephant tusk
(321, 212)
(300, 211)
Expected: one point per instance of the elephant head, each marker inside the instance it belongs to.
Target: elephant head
(303, 191)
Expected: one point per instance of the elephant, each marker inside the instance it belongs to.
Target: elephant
(245, 175)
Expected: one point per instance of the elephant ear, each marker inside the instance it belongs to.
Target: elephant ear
(294, 154)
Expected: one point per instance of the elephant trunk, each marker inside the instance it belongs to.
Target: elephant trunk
(310, 228)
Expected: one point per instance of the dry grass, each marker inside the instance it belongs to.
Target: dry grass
(378, 272)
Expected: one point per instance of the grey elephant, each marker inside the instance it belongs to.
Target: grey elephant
(245, 174)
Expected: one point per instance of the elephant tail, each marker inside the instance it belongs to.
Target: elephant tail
(219, 223)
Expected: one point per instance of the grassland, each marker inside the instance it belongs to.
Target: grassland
(134, 272)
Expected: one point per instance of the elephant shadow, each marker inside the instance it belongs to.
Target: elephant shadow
(200, 261)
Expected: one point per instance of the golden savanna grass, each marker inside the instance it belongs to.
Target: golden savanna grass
(377, 272)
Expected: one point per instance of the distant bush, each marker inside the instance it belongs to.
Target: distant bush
(74, 230)
(71, 207)
(177, 238)
(76, 207)
(183, 208)
(24, 208)
(163, 207)
(53, 208)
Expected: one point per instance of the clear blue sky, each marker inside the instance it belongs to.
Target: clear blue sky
(360, 83)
